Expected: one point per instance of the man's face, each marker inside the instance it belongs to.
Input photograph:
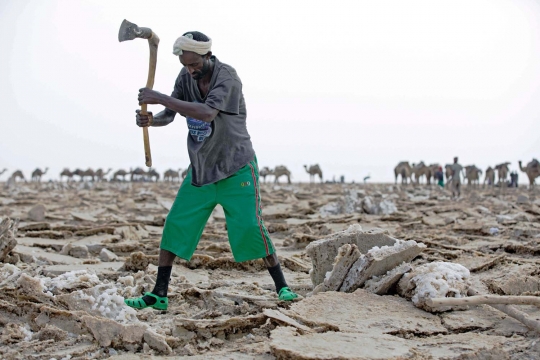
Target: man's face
(197, 65)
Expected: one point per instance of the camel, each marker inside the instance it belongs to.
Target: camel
(150, 174)
(168, 174)
(17, 174)
(184, 173)
(171, 174)
(264, 172)
(121, 173)
(502, 171)
(433, 168)
(67, 174)
(138, 174)
(79, 173)
(420, 170)
(36, 174)
(490, 176)
(405, 170)
(280, 171)
(85, 173)
(312, 171)
(472, 174)
(100, 175)
(90, 173)
(532, 170)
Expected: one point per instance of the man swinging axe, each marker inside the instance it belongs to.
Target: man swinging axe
(223, 170)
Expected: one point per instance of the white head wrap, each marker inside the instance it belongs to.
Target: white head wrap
(186, 43)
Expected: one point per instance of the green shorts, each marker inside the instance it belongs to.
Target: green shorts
(240, 197)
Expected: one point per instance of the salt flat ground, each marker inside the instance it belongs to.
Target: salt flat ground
(61, 292)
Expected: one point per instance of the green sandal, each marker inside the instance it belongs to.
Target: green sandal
(138, 303)
(286, 294)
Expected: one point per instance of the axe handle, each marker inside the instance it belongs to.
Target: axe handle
(153, 42)
(147, 153)
(146, 139)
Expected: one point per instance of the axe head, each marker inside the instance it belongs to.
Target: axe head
(130, 31)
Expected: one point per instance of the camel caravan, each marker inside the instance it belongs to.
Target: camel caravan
(406, 172)
(281, 170)
(151, 175)
(418, 173)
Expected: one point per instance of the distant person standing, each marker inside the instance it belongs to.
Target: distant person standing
(513, 179)
(439, 177)
(455, 182)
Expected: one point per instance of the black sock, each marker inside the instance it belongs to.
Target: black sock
(277, 276)
(162, 283)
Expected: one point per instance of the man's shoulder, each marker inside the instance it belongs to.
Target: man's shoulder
(226, 71)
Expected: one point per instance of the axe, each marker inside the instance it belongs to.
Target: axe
(130, 31)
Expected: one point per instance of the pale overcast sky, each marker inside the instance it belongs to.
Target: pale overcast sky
(356, 86)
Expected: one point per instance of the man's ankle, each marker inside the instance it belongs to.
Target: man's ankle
(278, 277)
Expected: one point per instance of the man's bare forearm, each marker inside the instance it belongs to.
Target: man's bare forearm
(195, 110)
(163, 118)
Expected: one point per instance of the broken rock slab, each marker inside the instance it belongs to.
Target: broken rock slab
(80, 350)
(139, 261)
(107, 255)
(49, 234)
(378, 261)
(323, 252)
(37, 213)
(55, 244)
(30, 287)
(482, 318)
(384, 207)
(515, 284)
(470, 346)
(95, 243)
(214, 355)
(30, 254)
(52, 332)
(82, 216)
(433, 221)
(101, 268)
(234, 326)
(68, 321)
(286, 343)
(284, 319)
(130, 233)
(362, 311)
(8, 228)
(77, 251)
(13, 333)
(346, 257)
(157, 342)
(35, 226)
(111, 333)
(522, 199)
(381, 285)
